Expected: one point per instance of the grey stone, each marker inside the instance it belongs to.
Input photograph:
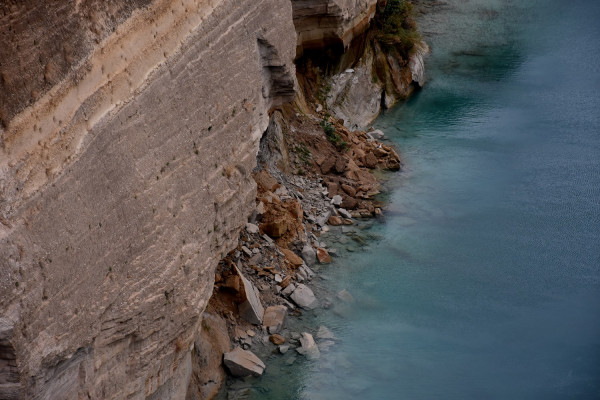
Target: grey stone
(308, 348)
(337, 200)
(345, 296)
(325, 345)
(251, 228)
(376, 134)
(251, 309)
(304, 297)
(325, 333)
(247, 251)
(284, 348)
(288, 290)
(309, 255)
(322, 220)
(241, 363)
(345, 213)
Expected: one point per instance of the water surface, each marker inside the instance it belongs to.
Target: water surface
(484, 280)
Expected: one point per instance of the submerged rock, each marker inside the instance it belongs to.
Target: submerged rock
(325, 333)
(308, 347)
(345, 296)
(241, 363)
(323, 256)
(277, 339)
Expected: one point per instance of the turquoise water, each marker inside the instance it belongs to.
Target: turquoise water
(484, 280)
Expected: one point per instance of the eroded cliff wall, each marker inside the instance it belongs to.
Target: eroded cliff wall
(322, 23)
(128, 136)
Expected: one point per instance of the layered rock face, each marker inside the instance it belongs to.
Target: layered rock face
(321, 23)
(129, 133)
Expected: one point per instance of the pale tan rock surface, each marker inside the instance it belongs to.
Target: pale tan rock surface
(125, 182)
(128, 132)
(321, 23)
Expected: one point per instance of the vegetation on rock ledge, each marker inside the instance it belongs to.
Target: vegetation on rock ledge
(396, 28)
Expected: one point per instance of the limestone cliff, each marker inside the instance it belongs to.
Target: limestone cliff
(322, 23)
(128, 136)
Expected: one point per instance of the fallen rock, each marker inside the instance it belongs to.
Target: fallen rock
(274, 318)
(304, 297)
(241, 363)
(350, 191)
(370, 160)
(322, 220)
(344, 213)
(349, 202)
(251, 309)
(275, 229)
(277, 339)
(375, 134)
(334, 220)
(323, 256)
(309, 255)
(266, 181)
(308, 347)
(289, 289)
(341, 164)
(251, 228)
(345, 296)
(327, 165)
(292, 257)
(285, 282)
(284, 348)
(336, 200)
(309, 272)
(325, 334)
(324, 345)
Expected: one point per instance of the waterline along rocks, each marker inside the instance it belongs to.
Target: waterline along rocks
(129, 141)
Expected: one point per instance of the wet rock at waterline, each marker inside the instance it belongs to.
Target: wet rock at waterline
(274, 317)
(241, 363)
(309, 255)
(308, 347)
(304, 297)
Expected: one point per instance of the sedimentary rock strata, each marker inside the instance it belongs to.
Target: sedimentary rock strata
(125, 179)
(321, 23)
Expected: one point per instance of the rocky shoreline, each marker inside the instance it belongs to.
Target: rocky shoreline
(308, 184)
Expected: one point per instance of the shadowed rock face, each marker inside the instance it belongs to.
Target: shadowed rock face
(322, 23)
(125, 181)
(128, 134)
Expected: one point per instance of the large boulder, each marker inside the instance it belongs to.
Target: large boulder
(241, 363)
(251, 309)
(274, 317)
(308, 347)
(309, 255)
(304, 297)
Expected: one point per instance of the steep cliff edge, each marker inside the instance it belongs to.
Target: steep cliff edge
(128, 137)
(322, 23)
(124, 178)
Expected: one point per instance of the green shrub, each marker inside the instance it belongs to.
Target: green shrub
(332, 136)
(397, 28)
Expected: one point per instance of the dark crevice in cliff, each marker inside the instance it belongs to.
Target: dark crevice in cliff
(278, 82)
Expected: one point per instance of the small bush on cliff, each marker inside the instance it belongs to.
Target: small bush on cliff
(396, 26)
(332, 136)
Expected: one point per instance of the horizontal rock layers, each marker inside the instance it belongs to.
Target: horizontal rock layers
(321, 23)
(125, 166)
